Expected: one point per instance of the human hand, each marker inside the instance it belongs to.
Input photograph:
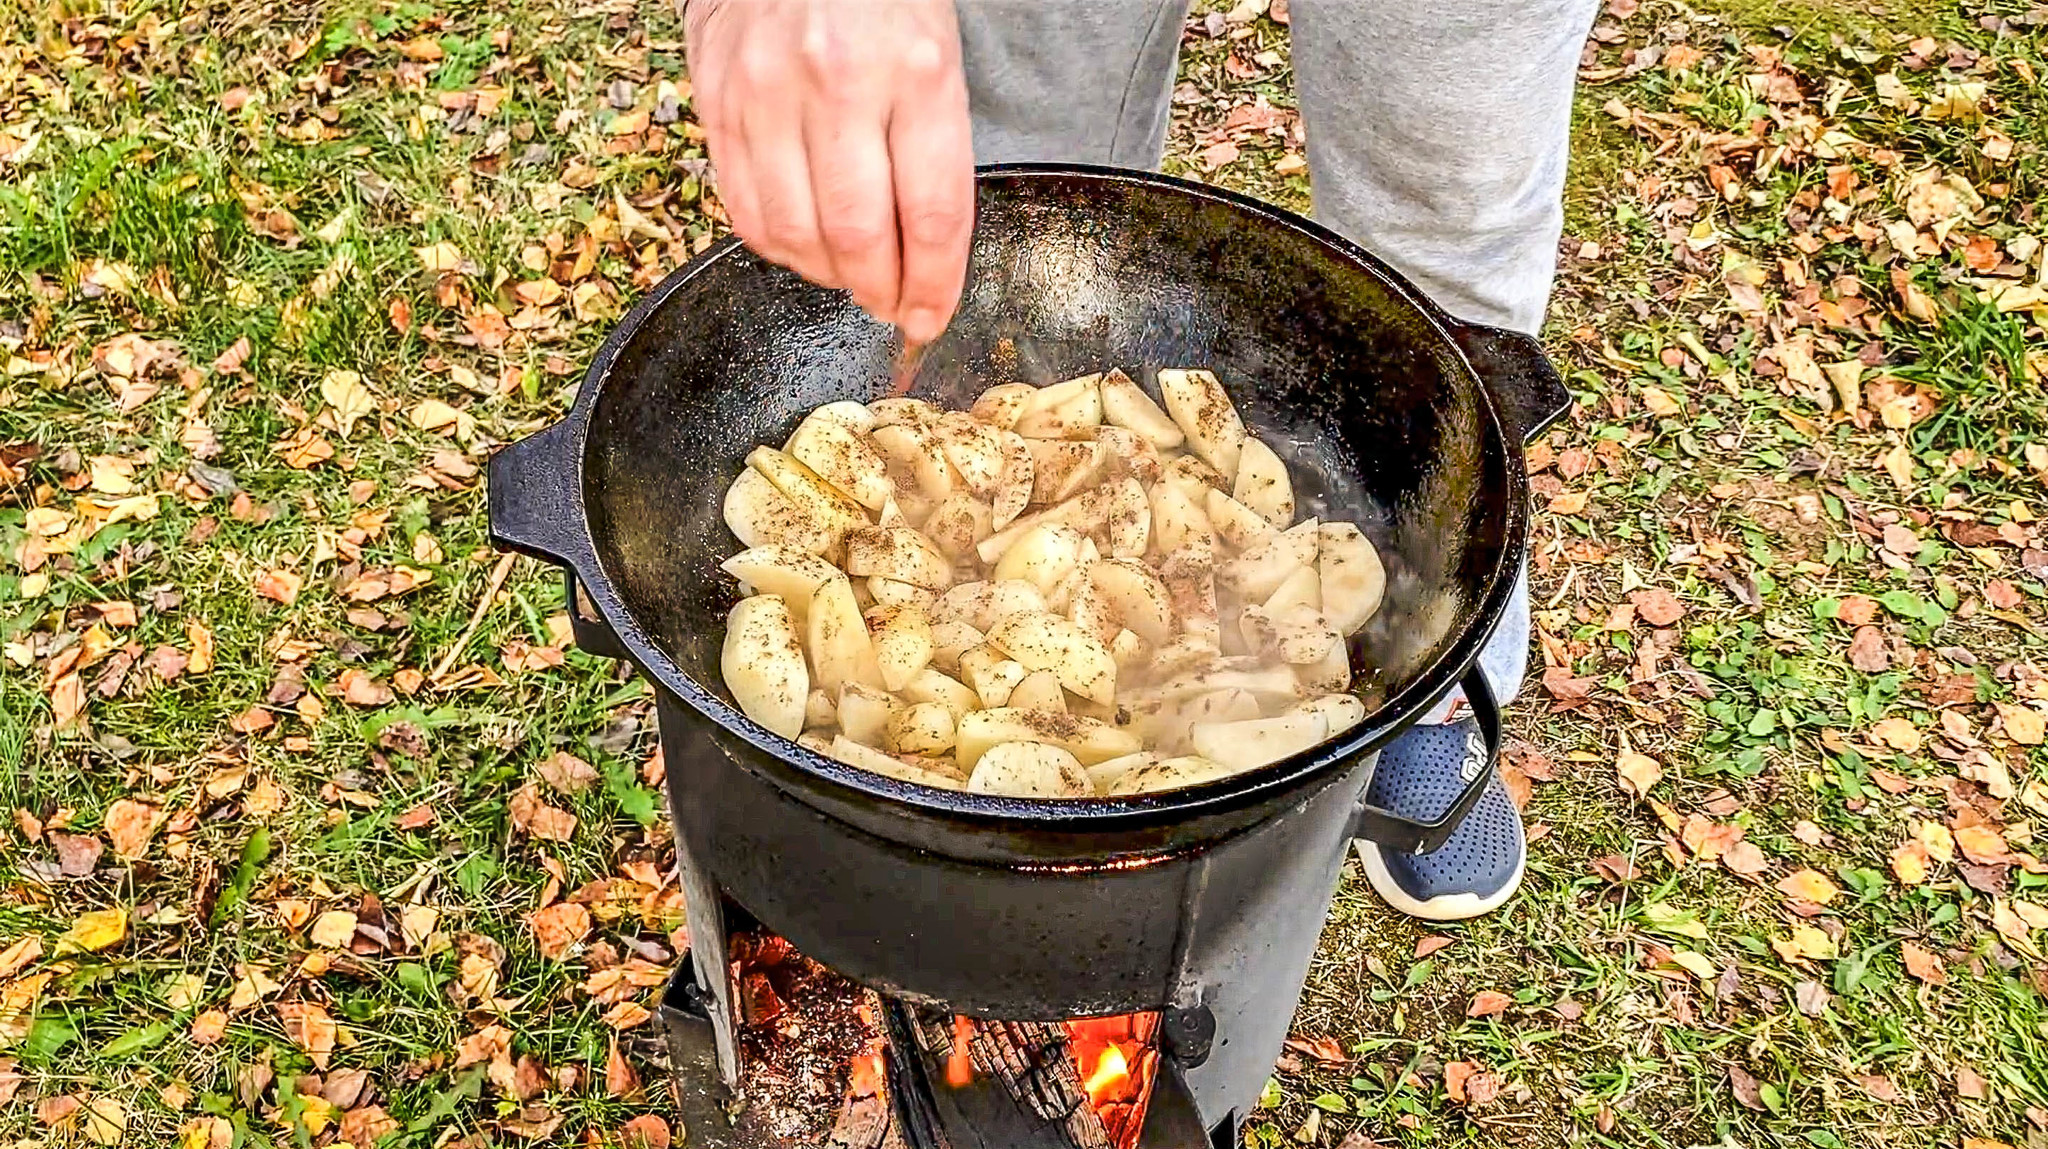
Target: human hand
(840, 134)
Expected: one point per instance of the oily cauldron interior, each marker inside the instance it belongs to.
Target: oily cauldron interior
(1348, 373)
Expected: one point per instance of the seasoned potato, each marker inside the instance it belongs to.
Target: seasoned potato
(889, 766)
(1340, 711)
(777, 569)
(922, 728)
(1002, 405)
(763, 664)
(864, 713)
(838, 640)
(889, 592)
(1299, 635)
(930, 685)
(899, 553)
(758, 514)
(992, 675)
(1262, 484)
(1199, 405)
(1130, 518)
(1238, 526)
(1176, 520)
(1169, 774)
(1041, 556)
(1029, 770)
(1039, 690)
(957, 523)
(1063, 468)
(982, 604)
(974, 449)
(840, 455)
(1062, 410)
(1332, 674)
(1044, 641)
(1255, 575)
(1104, 775)
(1125, 404)
(1353, 581)
(1017, 481)
(1087, 739)
(1129, 455)
(1257, 742)
(1135, 597)
(898, 411)
(820, 711)
(950, 637)
(902, 636)
(917, 461)
(807, 489)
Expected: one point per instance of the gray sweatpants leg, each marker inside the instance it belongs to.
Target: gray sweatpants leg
(1437, 137)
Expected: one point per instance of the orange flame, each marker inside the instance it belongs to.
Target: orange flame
(1111, 1071)
(960, 1066)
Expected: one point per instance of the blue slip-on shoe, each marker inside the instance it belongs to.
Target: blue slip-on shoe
(1479, 866)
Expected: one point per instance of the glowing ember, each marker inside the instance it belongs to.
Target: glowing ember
(960, 1066)
(1111, 1072)
(1116, 1061)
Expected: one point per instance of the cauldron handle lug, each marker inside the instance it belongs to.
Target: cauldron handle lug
(1407, 835)
(536, 508)
(1513, 366)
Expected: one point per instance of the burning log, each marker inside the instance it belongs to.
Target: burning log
(1033, 1062)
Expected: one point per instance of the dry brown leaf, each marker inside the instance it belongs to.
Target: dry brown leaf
(19, 953)
(360, 689)
(1487, 1003)
(309, 1027)
(558, 928)
(1982, 845)
(95, 930)
(536, 817)
(1909, 862)
(2023, 724)
(279, 586)
(1638, 772)
(1898, 733)
(647, 1131)
(209, 1027)
(333, 930)
(129, 825)
(566, 772)
(619, 1078)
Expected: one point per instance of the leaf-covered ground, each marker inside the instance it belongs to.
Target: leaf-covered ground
(321, 832)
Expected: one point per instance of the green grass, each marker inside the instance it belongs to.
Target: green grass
(1759, 513)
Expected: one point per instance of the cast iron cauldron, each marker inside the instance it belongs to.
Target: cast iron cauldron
(1387, 411)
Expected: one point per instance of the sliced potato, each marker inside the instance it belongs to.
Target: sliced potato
(992, 675)
(1262, 484)
(950, 638)
(899, 411)
(922, 728)
(1104, 775)
(1199, 405)
(1255, 575)
(930, 685)
(781, 570)
(957, 523)
(1353, 581)
(1192, 591)
(1041, 640)
(917, 461)
(1062, 410)
(1087, 739)
(1181, 655)
(864, 713)
(1129, 455)
(1063, 468)
(837, 639)
(1194, 477)
(903, 643)
(1238, 526)
(1273, 685)
(1088, 609)
(763, 664)
(1039, 690)
(1041, 556)
(1259, 742)
(1126, 405)
(809, 490)
(1333, 673)
(1087, 512)
(1001, 405)
(1029, 770)
(973, 448)
(1135, 598)
(889, 592)
(840, 454)
(1127, 648)
(759, 514)
(1130, 518)
(1176, 520)
(820, 712)
(983, 604)
(1301, 590)
(1340, 711)
(889, 766)
(1015, 484)
(1297, 635)
(900, 553)
(1169, 774)
(1167, 727)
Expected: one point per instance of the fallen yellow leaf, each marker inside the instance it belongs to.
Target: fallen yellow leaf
(2023, 724)
(344, 391)
(95, 931)
(440, 257)
(1909, 862)
(106, 1120)
(1897, 733)
(1638, 772)
(1810, 886)
(334, 929)
(1805, 942)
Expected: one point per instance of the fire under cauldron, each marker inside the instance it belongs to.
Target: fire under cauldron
(980, 930)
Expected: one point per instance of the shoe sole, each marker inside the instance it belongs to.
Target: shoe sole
(1448, 908)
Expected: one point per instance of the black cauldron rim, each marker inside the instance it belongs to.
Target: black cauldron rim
(515, 489)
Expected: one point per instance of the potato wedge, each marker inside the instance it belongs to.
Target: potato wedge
(1297, 635)
(1176, 520)
(1332, 674)
(1301, 590)
(763, 664)
(1353, 581)
(759, 514)
(1273, 685)
(1135, 598)
(1194, 478)
(973, 448)
(1204, 411)
(809, 490)
(1041, 640)
(1168, 726)
(1169, 774)
(820, 711)
(1127, 648)
(1130, 518)
(840, 454)
(1039, 690)
(1104, 775)
(917, 461)
(837, 639)
(931, 685)
(1061, 410)
(1259, 742)
(992, 675)
(781, 570)
(903, 643)
(922, 728)
(899, 553)
(1262, 484)
(1126, 405)
(889, 766)
(1192, 591)
(1018, 480)
(1029, 770)
(1340, 711)
(1041, 556)
(951, 637)
(982, 604)
(1063, 468)
(1255, 575)
(1087, 739)
(1130, 455)
(957, 523)
(1002, 405)
(1239, 527)
(864, 713)
(898, 411)
(889, 592)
